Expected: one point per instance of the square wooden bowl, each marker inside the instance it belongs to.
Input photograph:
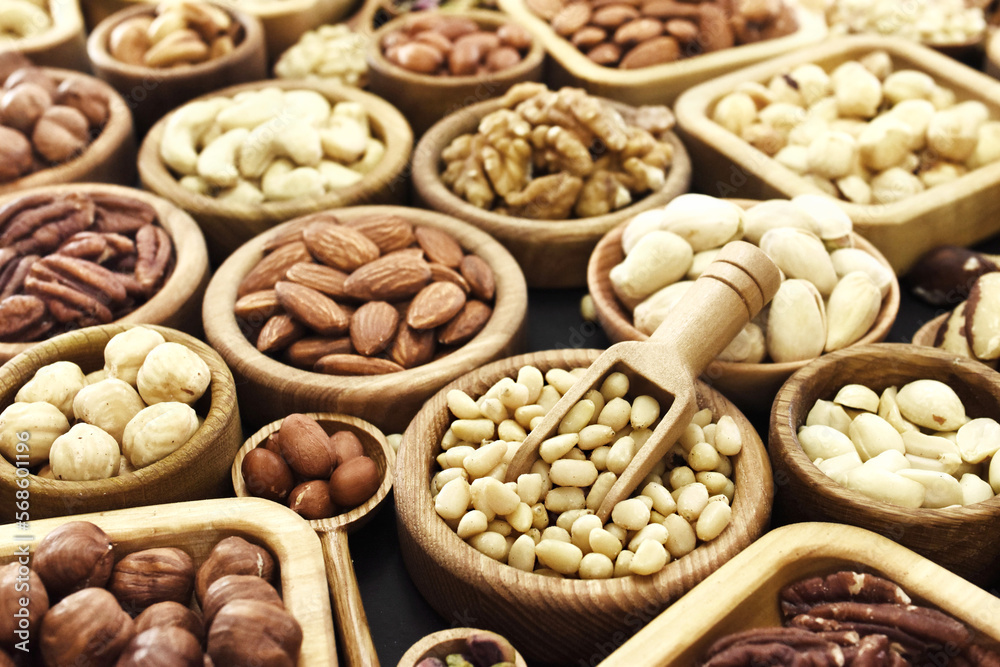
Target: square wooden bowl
(660, 84)
(64, 44)
(743, 593)
(959, 213)
(196, 527)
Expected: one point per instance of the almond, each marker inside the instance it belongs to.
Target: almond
(606, 53)
(439, 246)
(655, 51)
(307, 351)
(279, 332)
(571, 18)
(547, 9)
(715, 33)
(389, 232)
(478, 272)
(470, 321)
(412, 347)
(353, 364)
(448, 274)
(669, 9)
(320, 277)
(613, 16)
(284, 237)
(638, 30)
(272, 267)
(311, 307)
(395, 276)
(340, 247)
(303, 443)
(434, 305)
(372, 327)
(588, 36)
(255, 307)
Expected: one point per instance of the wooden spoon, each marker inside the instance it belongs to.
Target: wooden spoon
(733, 289)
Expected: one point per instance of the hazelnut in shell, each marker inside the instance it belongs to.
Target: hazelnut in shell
(254, 632)
(74, 556)
(88, 627)
(311, 500)
(143, 578)
(173, 615)
(237, 587)
(233, 555)
(31, 74)
(11, 575)
(162, 647)
(267, 475)
(354, 482)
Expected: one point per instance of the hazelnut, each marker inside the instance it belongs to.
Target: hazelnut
(125, 352)
(254, 632)
(86, 96)
(84, 453)
(56, 383)
(170, 614)
(354, 482)
(146, 577)
(74, 556)
(162, 647)
(233, 555)
(108, 404)
(303, 443)
(61, 133)
(266, 474)
(23, 105)
(157, 431)
(172, 372)
(16, 158)
(346, 446)
(31, 74)
(311, 500)
(237, 587)
(12, 579)
(10, 62)
(88, 627)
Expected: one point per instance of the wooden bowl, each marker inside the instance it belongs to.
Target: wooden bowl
(426, 98)
(178, 302)
(552, 253)
(110, 158)
(199, 469)
(196, 527)
(154, 91)
(992, 64)
(961, 539)
(743, 593)
(349, 612)
(959, 213)
(64, 44)
(660, 84)
(269, 389)
(444, 643)
(751, 386)
(554, 620)
(227, 226)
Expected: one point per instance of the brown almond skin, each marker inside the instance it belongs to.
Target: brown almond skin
(434, 305)
(340, 247)
(311, 500)
(479, 275)
(355, 364)
(515, 35)
(312, 308)
(389, 278)
(279, 332)
(413, 347)
(305, 352)
(143, 578)
(389, 232)
(571, 18)
(416, 57)
(238, 587)
(74, 556)
(607, 54)
(373, 326)
(638, 30)
(171, 614)
(272, 267)
(464, 326)
(266, 474)
(614, 15)
(233, 555)
(354, 482)
(303, 444)
(588, 37)
(655, 51)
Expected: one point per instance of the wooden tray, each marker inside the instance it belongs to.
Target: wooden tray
(62, 45)
(742, 594)
(196, 527)
(661, 84)
(960, 213)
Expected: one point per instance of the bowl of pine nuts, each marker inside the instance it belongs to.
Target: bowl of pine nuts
(534, 549)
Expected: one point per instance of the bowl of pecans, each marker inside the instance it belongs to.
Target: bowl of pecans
(364, 310)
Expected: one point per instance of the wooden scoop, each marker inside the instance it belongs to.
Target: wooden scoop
(730, 292)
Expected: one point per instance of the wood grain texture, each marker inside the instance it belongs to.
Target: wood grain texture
(270, 389)
(660, 84)
(961, 539)
(743, 593)
(110, 158)
(196, 527)
(960, 213)
(64, 45)
(227, 225)
(199, 469)
(178, 303)
(552, 253)
(352, 623)
(992, 64)
(926, 334)
(554, 620)
(444, 643)
(427, 98)
(751, 386)
(154, 91)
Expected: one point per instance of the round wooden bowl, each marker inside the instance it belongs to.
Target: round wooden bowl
(992, 64)
(552, 253)
(447, 642)
(199, 469)
(178, 302)
(110, 158)
(751, 386)
(64, 44)
(270, 389)
(551, 620)
(927, 333)
(963, 539)
(428, 98)
(227, 225)
(153, 91)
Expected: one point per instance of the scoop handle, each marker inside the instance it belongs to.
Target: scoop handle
(349, 613)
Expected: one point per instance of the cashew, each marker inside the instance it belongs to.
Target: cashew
(252, 108)
(352, 110)
(279, 138)
(374, 151)
(336, 175)
(283, 180)
(344, 139)
(244, 192)
(217, 162)
(21, 19)
(195, 184)
(307, 105)
(184, 130)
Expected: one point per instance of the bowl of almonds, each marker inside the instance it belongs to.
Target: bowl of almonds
(365, 310)
(901, 440)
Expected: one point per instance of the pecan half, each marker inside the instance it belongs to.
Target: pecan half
(12, 278)
(842, 586)
(121, 214)
(924, 623)
(81, 275)
(91, 310)
(154, 251)
(24, 223)
(11, 209)
(18, 314)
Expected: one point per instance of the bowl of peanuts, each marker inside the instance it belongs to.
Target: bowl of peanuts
(453, 59)
(531, 560)
(365, 310)
(901, 440)
(159, 56)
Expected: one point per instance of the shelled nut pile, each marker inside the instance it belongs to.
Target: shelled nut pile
(269, 144)
(91, 603)
(545, 522)
(367, 296)
(851, 618)
(869, 131)
(830, 297)
(552, 155)
(74, 260)
(44, 121)
(23, 18)
(328, 52)
(129, 414)
(912, 446)
(938, 22)
(632, 35)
